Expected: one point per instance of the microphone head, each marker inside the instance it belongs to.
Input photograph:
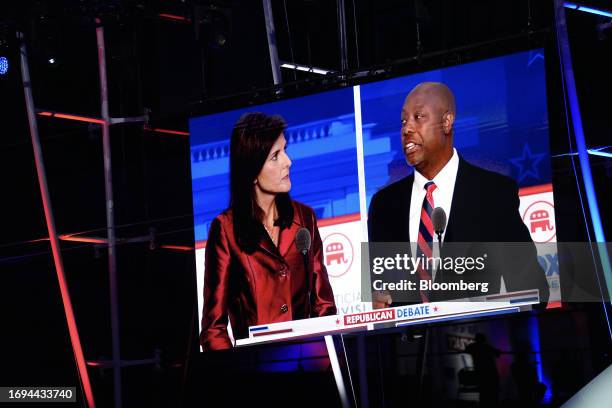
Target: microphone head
(303, 240)
(438, 219)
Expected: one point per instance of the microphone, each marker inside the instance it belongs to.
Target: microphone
(438, 219)
(303, 240)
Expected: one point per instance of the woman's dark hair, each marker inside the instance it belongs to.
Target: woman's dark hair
(252, 139)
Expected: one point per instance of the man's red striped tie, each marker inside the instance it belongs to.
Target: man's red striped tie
(425, 238)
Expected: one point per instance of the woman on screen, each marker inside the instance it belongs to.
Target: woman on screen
(254, 273)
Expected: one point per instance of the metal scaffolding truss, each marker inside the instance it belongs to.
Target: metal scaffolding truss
(111, 240)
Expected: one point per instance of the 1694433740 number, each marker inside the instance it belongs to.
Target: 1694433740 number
(28, 394)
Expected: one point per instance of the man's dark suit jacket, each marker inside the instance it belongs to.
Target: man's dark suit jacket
(484, 209)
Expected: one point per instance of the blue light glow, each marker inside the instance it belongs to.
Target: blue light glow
(591, 10)
(583, 153)
(534, 340)
(4, 65)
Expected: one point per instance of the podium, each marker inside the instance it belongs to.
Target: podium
(336, 329)
(399, 316)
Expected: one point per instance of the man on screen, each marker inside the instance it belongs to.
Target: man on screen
(481, 206)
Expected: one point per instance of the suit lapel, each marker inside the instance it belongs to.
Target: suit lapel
(460, 207)
(405, 201)
(266, 244)
(400, 223)
(286, 241)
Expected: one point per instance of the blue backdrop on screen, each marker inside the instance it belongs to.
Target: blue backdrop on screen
(501, 122)
(321, 145)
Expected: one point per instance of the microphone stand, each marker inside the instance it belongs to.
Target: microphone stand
(308, 282)
(441, 271)
(423, 354)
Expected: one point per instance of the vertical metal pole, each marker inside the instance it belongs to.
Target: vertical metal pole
(55, 245)
(342, 35)
(110, 219)
(422, 363)
(335, 364)
(583, 155)
(419, 16)
(363, 371)
(276, 72)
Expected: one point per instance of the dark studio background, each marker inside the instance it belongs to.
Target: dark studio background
(214, 58)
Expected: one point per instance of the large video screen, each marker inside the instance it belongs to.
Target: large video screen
(344, 146)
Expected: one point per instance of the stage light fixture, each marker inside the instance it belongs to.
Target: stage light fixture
(4, 48)
(4, 65)
(213, 25)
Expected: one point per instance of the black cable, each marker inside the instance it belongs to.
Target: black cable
(289, 35)
(355, 31)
